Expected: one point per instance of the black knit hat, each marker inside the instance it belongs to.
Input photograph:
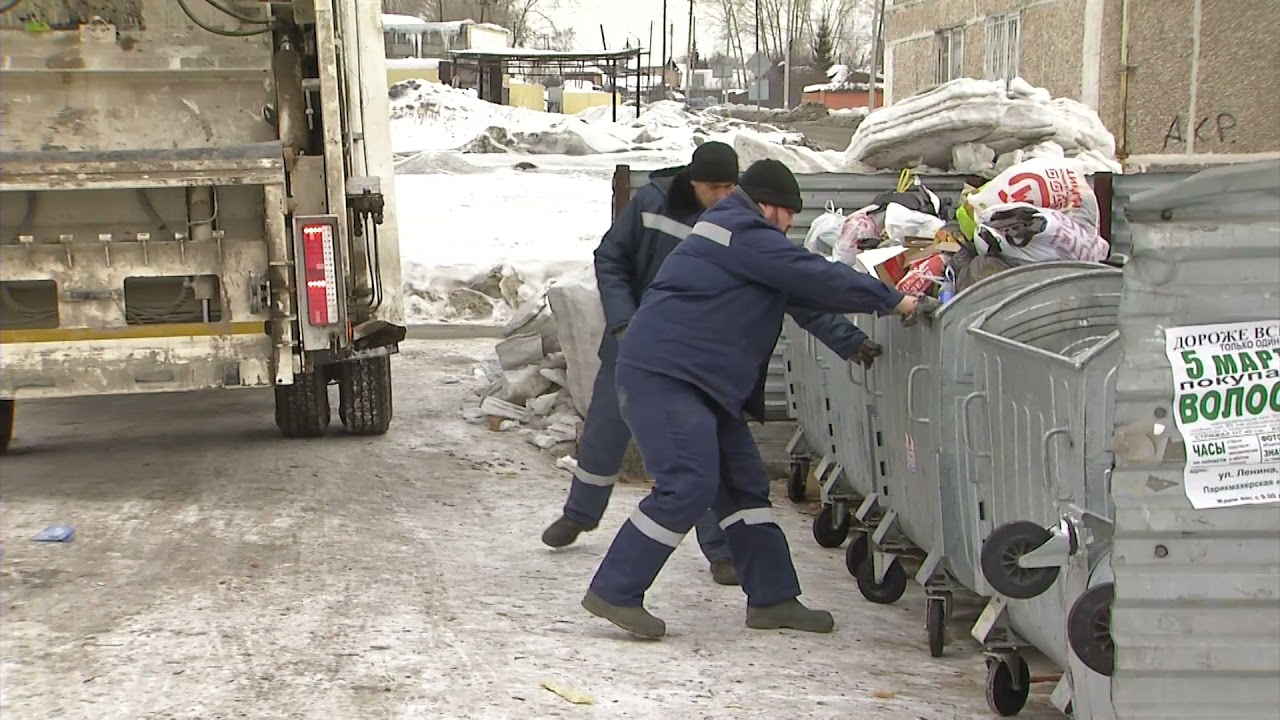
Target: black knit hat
(713, 162)
(769, 182)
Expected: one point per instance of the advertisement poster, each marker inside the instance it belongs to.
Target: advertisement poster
(1226, 382)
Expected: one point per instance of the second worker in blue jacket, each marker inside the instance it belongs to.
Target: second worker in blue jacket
(691, 367)
(654, 222)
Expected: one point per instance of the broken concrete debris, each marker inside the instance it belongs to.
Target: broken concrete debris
(530, 380)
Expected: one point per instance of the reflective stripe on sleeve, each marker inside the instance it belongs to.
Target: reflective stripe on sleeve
(713, 232)
(662, 223)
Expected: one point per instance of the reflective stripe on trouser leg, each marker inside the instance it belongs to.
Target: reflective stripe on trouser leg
(711, 538)
(604, 444)
(674, 426)
(760, 551)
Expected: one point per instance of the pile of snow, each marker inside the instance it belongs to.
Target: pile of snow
(429, 117)
(981, 127)
(540, 381)
(475, 246)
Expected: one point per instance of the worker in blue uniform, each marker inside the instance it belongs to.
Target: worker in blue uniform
(660, 215)
(690, 369)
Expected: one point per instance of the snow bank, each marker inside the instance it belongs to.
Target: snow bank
(976, 126)
(475, 246)
(429, 117)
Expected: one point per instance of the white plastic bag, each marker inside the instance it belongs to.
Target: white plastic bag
(861, 227)
(1052, 183)
(1061, 238)
(901, 223)
(824, 231)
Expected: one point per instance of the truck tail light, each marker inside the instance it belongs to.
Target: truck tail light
(320, 273)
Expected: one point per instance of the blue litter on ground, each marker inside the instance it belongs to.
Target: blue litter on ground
(55, 533)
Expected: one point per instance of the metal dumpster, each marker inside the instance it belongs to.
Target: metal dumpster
(806, 403)
(1196, 612)
(1047, 358)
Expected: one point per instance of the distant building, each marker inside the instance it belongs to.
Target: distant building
(419, 49)
(410, 37)
(845, 89)
(1200, 81)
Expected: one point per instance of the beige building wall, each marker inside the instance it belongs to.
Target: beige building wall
(1203, 74)
(1204, 78)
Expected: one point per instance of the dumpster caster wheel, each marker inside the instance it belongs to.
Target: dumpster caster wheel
(827, 533)
(856, 553)
(1089, 629)
(1000, 554)
(887, 591)
(798, 479)
(1008, 685)
(935, 624)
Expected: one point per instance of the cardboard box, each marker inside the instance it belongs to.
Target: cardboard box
(887, 263)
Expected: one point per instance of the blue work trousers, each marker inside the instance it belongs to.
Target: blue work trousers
(701, 456)
(600, 454)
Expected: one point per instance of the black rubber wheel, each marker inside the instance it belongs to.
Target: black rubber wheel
(364, 395)
(825, 532)
(1000, 554)
(935, 624)
(1089, 629)
(888, 591)
(798, 480)
(856, 553)
(1005, 697)
(302, 409)
(7, 410)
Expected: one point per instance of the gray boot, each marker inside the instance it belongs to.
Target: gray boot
(791, 615)
(563, 532)
(724, 573)
(635, 620)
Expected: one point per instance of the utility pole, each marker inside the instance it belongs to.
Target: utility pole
(664, 45)
(688, 58)
(786, 70)
(759, 79)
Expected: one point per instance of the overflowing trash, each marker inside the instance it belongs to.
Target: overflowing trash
(1038, 210)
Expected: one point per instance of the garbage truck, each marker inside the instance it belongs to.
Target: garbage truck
(197, 195)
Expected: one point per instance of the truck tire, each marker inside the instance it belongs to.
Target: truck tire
(364, 395)
(6, 424)
(302, 409)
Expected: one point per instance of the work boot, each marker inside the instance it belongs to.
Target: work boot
(724, 573)
(563, 532)
(791, 615)
(635, 620)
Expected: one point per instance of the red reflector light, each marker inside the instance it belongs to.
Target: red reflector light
(320, 273)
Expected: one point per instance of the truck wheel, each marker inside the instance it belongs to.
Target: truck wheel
(6, 424)
(302, 409)
(364, 395)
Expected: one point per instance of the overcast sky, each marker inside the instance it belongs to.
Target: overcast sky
(622, 18)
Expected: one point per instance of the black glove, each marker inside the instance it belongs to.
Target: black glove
(866, 353)
(926, 306)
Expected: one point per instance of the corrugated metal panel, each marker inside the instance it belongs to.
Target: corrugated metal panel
(1125, 187)
(1196, 619)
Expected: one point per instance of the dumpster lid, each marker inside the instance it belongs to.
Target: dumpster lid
(1240, 192)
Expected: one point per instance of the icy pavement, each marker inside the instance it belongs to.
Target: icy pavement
(219, 571)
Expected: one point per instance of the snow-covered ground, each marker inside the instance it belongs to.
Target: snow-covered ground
(495, 200)
(455, 229)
